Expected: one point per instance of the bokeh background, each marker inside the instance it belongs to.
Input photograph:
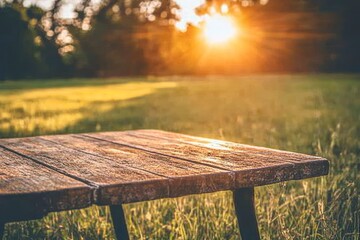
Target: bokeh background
(94, 38)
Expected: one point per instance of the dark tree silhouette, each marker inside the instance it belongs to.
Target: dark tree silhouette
(25, 49)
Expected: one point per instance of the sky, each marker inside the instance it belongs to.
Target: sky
(186, 12)
(66, 11)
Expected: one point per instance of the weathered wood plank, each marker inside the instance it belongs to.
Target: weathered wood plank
(213, 157)
(253, 166)
(225, 145)
(305, 165)
(30, 190)
(185, 177)
(142, 165)
(114, 183)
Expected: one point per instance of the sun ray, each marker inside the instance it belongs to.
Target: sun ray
(219, 29)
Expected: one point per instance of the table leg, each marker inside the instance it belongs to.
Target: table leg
(245, 212)
(119, 222)
(2, 228)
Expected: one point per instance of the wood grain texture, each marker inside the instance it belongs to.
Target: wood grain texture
(184, 177)
(53, 173)
(113, 183)
(30, 190)
(253, 166)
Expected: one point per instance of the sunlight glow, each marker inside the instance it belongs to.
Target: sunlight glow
(187, 13)
(215, 144)
(224, 8)
(219, 29)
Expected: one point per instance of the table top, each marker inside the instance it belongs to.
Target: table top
(60, 172)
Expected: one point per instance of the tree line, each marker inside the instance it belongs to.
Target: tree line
(140, 37)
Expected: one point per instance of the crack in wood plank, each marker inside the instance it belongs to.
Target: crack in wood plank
(246, 164)
(131, 166)
(184, 177)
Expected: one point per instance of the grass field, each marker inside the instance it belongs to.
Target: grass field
(314, 114)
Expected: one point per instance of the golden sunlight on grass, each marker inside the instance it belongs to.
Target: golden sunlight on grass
(316, 114)
(63, 107)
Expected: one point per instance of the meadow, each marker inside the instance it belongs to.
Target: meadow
(316, 114)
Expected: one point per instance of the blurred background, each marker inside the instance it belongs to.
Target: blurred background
(95, 38)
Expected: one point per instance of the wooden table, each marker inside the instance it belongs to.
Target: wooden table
(45, 174)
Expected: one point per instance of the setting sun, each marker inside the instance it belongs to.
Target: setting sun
(219, 29)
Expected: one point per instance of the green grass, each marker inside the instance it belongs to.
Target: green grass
(314, 114)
